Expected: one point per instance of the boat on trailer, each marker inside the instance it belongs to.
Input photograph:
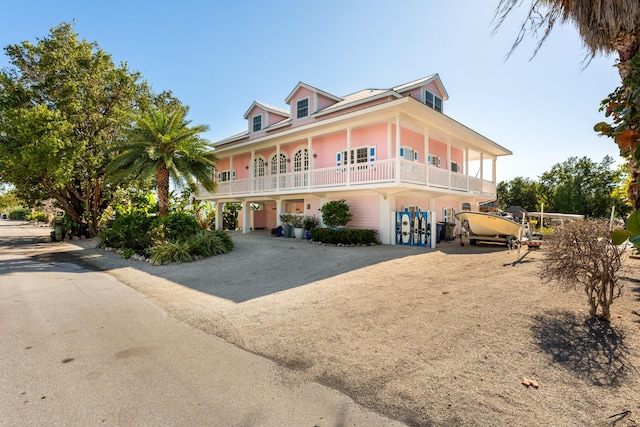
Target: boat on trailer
(490, 227)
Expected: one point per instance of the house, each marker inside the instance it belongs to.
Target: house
(383, 150)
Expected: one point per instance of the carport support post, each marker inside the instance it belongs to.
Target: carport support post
(387, 220)
(279, 210)
(246, 217)
(219, 212)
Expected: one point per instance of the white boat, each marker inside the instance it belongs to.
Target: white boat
(488, 226)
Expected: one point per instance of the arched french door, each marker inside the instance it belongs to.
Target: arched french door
(301, 164)
(277, 170)
(259, 172)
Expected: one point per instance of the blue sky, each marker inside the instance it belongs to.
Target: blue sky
(218, 57)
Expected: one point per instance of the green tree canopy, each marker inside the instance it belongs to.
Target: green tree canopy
(519, 191)
(582, 186)
(62, 104)
(162, 144)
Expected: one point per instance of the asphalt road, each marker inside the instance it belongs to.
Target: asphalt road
(80, 348)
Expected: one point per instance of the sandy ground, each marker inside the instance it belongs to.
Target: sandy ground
(429, 337)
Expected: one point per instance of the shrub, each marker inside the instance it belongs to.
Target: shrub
(36, 216)
(176, 226)
(580, 255)
(19, 213)
(336, 213)
(128, 253)
(129, 231)
(172, 251)
(209, 243)
(310, 222)
(345, 237)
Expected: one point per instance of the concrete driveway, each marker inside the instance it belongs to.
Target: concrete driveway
(81, 348)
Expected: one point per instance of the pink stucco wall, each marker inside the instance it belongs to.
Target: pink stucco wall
(439, 149)
(375, 135)
(413, 140)
(365, 210)
(326, 148)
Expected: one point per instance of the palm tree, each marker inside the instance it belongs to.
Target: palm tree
(605, 26)
(162, 143)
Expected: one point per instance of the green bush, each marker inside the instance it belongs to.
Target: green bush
(174, 238)
(172, 251)
(176, 226)
(36, 216)
(336, 213)
(131, 231)
(208, 243)
(345, 237)
(19, 213)
(128, 253)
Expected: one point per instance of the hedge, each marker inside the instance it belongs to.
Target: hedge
(348, 236)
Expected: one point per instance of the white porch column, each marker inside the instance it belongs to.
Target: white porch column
(426, 152)
(322, 201)
(310, 165)
(449, 159)
(231, 175)
(251, 171)
(219, 212)
(246, 217)
(493, 170)
(387, 220)
(398, 144)
(279, 210)
(347, 158)
(278, 172)
(481, 170)
(466, 166)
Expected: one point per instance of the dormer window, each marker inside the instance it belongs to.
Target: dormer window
(257, 123)
(302, 108)
(433, 100)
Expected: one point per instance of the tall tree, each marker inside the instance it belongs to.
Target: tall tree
(162, 144)
(582, 186)
(519, 191)
(62, 103)
(605, 27)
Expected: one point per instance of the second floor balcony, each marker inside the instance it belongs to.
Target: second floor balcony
(378, 174)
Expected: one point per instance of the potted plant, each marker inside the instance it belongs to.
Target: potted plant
(297, 221)
(336, 213)
(287, 220)
(309, 223)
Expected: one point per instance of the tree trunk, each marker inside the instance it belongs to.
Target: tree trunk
(163, 191)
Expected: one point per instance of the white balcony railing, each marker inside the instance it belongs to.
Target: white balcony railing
(382, 171)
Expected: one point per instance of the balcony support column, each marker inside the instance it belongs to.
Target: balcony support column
(387, 219)
(310, 166)
(246, 217)
(397, 150)
(348, 158)
(426, 154)
(219, 212)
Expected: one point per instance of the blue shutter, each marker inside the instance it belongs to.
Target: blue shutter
(402, 152)
(415, 156)
(338, 159)
(233, 175)
(372, 153)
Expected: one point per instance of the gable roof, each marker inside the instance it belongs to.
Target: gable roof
(270, 108)
(435, 78)
(312, 89)
(359, 97)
